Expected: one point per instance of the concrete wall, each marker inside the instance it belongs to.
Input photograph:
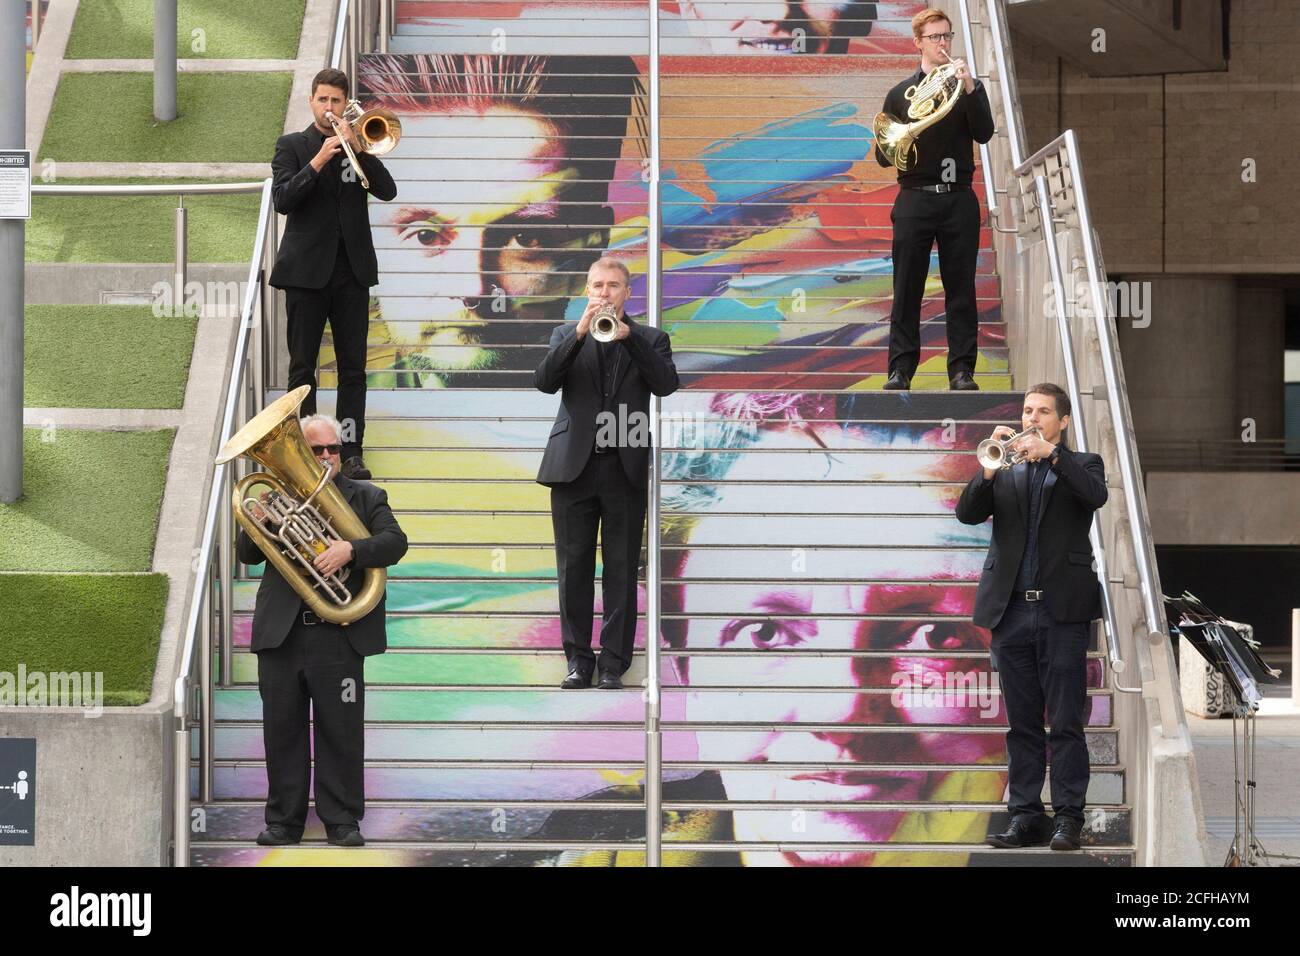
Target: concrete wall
(1164, 154)
(97, 788)
(1224, 508)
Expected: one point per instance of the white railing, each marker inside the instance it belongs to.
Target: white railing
(1059, 327)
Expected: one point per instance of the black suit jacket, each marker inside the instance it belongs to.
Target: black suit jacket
(320, 207)
(1073, 489)
(572, 364)
(278, 604)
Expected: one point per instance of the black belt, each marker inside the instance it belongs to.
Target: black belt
(1036, 595)
(602, 452)
(309, 619)
(938, 188)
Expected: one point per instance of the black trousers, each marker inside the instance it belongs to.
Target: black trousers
(600, 496)
(1043, 668)
(316, 667)
(345, 303)
(920, 220)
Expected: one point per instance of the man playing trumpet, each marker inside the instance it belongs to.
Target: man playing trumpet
(1038, 595)
(596, 466)
(935, 203)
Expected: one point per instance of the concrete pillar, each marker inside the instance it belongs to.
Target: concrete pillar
(13, 132)
(1261, 347)
(1181, 368)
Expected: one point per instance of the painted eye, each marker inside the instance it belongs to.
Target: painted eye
(767, 634)
(429, 233)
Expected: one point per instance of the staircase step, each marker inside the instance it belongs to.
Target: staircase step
(243, 741)
(922, 679)
(486, 705)
(431, 825)
(486, 782)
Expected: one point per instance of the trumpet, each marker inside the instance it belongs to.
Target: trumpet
(604, 324)
(993, 453)
(377, 131)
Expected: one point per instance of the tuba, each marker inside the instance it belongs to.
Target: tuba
(930, 101)
(301, 514)
(378, 131)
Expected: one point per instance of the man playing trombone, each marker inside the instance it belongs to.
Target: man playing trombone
(1038, 594)
(326, 262)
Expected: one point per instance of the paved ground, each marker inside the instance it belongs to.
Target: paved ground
(1277, 763)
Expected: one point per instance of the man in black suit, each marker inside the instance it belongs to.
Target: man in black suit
(326, 263)
(1039, 594)
(596, 464)
(303, 661)
(935, 204)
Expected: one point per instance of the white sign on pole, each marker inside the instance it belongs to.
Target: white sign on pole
(15, 184)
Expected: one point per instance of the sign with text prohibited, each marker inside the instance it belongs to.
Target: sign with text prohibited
(15, 184)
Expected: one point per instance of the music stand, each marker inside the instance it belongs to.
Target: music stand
(1227, 648)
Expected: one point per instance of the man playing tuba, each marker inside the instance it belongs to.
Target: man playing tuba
(305, 662)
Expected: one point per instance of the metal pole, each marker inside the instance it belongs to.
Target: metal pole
(385, 23)
(36, 23)
(354, 37)
(226, 569)
(653, 734)
(164, 60)
(13, 133)
(181, 783)
(179, 267)
(206, 718)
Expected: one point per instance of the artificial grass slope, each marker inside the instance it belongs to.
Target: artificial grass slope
(140, 228)
(221, 118)
(90, 501)
(231, 29)
(84, 623)
(105, 356)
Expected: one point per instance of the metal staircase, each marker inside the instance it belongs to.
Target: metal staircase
(825, 698)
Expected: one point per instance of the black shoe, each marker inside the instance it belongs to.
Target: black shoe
(355, 468)
(576, 679)
(1025, 830)
(345, 834)
(610, 681)
(963, 382)
(898, 382)
(1066, 834)
(277, 835)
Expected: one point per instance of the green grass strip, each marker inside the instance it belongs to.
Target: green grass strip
(227, 29)
(105, 356)
(140, 228)
(90, 501)
(85, 623)
(221, 118)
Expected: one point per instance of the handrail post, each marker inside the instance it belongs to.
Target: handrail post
(180, 268)
(226, 571)
(181, 774)
(36, 23)
(207, 723)
(385, 23)
(653, 732)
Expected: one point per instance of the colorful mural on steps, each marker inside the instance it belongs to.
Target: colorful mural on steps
(817, 589)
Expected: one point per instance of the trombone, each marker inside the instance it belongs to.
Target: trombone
(995, 454)
(377, 131)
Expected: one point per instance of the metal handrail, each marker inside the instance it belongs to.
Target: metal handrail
(246, 360)
(1037, 186)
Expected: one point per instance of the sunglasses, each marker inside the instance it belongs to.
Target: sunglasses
(321, 449)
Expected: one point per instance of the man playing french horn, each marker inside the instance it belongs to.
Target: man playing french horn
(927, 130)
(309, 667)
